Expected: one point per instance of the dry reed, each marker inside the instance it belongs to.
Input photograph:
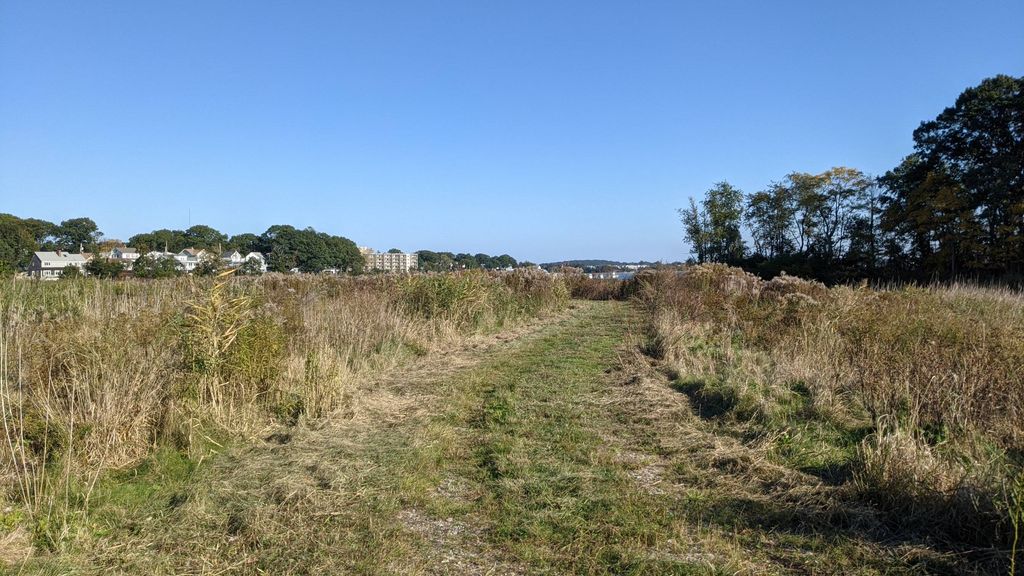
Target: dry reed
(936, 373)
(95, 374)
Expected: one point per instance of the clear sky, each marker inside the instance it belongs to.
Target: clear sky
(547, 130)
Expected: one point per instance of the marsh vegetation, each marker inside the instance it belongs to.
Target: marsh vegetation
(694, 421)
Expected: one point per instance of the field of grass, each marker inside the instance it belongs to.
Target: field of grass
(98, 376)
(910, 401)
(472, 424)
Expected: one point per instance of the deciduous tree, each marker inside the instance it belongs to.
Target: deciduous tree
(77, 233)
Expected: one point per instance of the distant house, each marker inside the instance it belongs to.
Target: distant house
(617, 275)
(190, 258)
(157, 254)
(232, 258)
(123, 254)
(258, 258)
(50, 265)
(235, 258)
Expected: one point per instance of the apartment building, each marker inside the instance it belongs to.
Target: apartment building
(401, 262)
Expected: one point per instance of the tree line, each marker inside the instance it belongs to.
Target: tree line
(954, 208)
(285, 247)
(20, 237)
(430, 261)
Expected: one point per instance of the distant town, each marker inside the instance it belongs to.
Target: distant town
(46, 251)
(53, 265)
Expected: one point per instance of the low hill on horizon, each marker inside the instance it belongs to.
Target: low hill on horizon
(594, 263)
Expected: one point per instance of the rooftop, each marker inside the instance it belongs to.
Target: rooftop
(60, 256)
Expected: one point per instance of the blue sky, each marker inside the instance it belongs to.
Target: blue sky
(547, 130)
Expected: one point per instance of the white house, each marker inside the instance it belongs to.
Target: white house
(124, 255)
(235, 258)
(258, 258)
(50, 265)
(190, 258)
(232, 258)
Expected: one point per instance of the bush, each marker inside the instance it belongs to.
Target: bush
(251, 267)
(475, 299)
(104, 268)
(156, 267)
(70, 272)
(209, 267)
(459, 298)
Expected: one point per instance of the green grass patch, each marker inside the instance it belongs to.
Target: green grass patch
(157, 486)
(551, 493)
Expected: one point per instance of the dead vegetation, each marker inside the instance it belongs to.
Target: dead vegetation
(97, 376)
(396, 431)
(339, 495)
(586, 288)
(907, 400)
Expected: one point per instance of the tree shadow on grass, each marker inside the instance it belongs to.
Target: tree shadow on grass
(831, 473)
(709, 402)
(837, 526)
(830, 511)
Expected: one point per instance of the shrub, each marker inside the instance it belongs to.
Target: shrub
(146, 266)
(460, 298)
(475, 299)
(70, 272)
(104, 268)
(209, 267)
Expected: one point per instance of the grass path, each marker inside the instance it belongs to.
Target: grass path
(488, 461)
(554, 450)
(535, 454)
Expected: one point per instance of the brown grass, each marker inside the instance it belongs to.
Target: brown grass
(586, 288)
(95, 374)
(933, 375)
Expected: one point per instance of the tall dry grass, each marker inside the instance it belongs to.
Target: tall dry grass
(935, 373)
(95, 374)
(586, 288)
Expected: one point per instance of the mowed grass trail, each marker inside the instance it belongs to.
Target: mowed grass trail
(556, 450)
(571, 454)
(549, 488)
(488, 462)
